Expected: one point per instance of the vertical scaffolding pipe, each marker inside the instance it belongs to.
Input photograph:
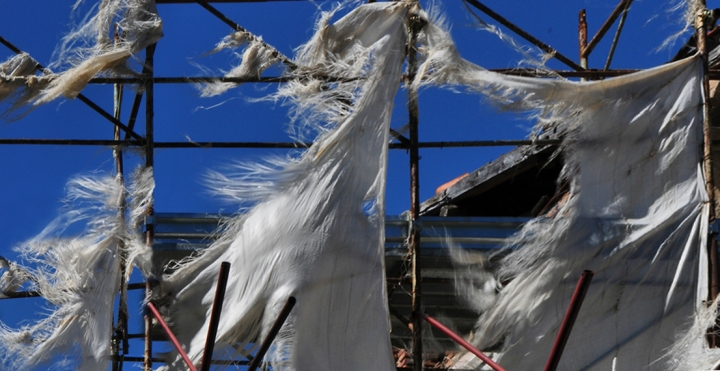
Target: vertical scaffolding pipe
(149, 162)
(701, 37)
(215, 316)
(414, 232)
(566, 326)
(701, 27)
(582, 37)
(121, 330)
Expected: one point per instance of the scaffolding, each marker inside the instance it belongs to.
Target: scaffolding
(126, 137)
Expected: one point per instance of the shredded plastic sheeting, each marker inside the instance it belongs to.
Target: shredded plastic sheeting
(139, 27)
(78, 276)
(19, 85)
(319, 236)
(84, 53)
(635, 217)
(256, 58)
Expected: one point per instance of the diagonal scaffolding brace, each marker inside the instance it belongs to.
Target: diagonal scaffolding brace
(80, 96)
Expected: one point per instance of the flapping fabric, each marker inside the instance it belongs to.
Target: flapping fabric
(318, 236)
(79, 275)
(636, 216)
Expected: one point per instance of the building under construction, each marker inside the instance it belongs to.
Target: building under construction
(308, 262)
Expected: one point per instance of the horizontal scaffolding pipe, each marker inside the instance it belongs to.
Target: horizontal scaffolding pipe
(458, 339)
(228, 1)
(101, 142)
(590, 74)
(282, 79)
(227, 362)
(188, 79)
(714, 74)
(210, 79)
(21, 294)
(71, 142)
(136, 359)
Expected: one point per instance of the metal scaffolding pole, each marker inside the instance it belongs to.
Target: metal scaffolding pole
(414, 233)
(80, 96)
(121, 343)
(702, 23)
(149, 162)
(582, 37)
(146, 83)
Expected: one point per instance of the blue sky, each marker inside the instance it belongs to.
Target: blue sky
(34, 177)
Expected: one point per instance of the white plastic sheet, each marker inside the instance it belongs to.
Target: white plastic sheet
(632, 150)
(318, 236)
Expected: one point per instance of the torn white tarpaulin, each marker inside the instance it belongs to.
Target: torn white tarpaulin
(256, 58)
(138, 27)
(79, 276)
(636, 217)
(19, 85)
(318, 234)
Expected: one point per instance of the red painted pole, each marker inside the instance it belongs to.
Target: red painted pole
(171, 336)
(569, 320)
(462, 342)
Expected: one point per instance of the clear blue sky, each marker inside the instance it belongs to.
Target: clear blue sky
(33, 177)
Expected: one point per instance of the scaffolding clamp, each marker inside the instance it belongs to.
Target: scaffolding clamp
(149, 221)
(706, 18)
(715, 228)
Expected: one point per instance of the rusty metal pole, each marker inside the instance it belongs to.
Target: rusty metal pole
(121, 331)
(701, 27)
(215, 315)
(274, 330)
(569, 320)
(582, 37)
(414, 232)
(458, 339)
(149, 162)
(701, 37)
(525, 35)
(616, 38)
(619, 9)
